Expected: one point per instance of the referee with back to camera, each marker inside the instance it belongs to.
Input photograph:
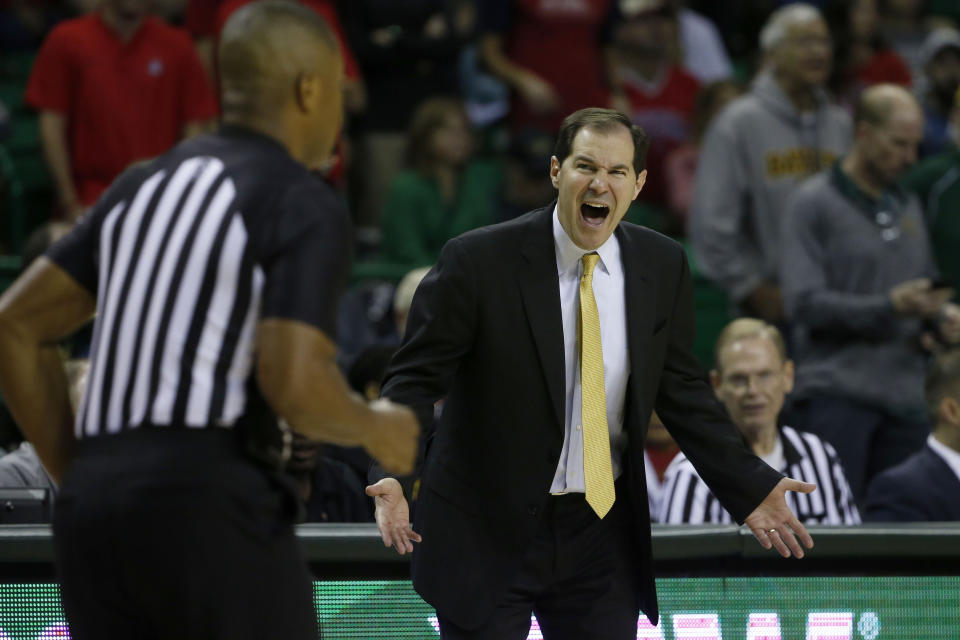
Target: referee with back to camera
(214, 271)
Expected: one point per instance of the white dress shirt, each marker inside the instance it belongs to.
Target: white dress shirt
(608, 291)
(951, 457)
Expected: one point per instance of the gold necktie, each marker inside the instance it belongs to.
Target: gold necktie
(597, 466)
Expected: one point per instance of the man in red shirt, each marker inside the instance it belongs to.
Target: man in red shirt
(552, 54)
(653, 88)
(113, 87)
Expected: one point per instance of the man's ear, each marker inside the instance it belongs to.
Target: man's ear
(788, 376)
(308, 89)
(555, 172)
(641, 180)
(949, 411)
(715, 379)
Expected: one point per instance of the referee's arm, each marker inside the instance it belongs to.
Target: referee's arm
(298, 375)
(43, 306)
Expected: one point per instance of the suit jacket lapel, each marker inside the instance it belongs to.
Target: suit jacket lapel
(540, 291)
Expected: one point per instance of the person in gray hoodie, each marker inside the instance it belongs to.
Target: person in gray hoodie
(756, 152)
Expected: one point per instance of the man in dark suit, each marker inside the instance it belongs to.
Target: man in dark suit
(926, 486)
(533, 495)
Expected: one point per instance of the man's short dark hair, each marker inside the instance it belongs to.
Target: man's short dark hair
(263, 48)
(601, 120)
(943, 381)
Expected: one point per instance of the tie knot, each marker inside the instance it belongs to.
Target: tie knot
(589, 262)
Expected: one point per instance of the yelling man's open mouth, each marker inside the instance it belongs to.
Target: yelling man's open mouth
(594, 213)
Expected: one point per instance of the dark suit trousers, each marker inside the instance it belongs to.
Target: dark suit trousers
(579, 577)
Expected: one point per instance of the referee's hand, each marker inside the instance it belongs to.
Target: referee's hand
(394, 440)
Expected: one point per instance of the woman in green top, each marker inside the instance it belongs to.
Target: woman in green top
(444, 190)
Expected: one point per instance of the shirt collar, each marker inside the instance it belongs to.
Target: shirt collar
(238, 131)
(790, 453)
(951, 457)
(852, 192)
(569, 254)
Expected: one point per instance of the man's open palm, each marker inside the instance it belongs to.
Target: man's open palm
(774, 524)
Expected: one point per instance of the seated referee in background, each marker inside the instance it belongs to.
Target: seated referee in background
(214, 271)
(752, 379)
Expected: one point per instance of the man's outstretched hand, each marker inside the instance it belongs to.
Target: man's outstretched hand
(774, 524)
(393, 515)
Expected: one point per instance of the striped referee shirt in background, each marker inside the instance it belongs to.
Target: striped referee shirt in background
(185, 254)
(687, 500)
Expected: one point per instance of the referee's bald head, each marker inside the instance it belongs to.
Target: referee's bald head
(277, 55)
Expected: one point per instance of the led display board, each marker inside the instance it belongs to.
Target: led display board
(812, 608)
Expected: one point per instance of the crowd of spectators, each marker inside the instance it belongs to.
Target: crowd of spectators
(807, 155)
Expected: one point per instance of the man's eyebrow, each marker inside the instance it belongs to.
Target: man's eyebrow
(582, 158)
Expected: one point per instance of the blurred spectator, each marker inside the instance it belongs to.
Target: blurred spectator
(941, 79)
(936, 181)
(658, 450)
(680, 165)
(752, 378)
(444, 190)
(408, 51)
(926, 486)
(486, 97)
(402, 299)
(526, 173)
(740, 22)
(947, 10)
(330, 489)
(856, 276)
(652, 88)
(861, 57)
(906, 26)
(366, 373)
(701, 47)
(21, 468)
(374, 314)
(24, 23)
(365, 318)
(755, 154)
(553, 55)
(114, 87)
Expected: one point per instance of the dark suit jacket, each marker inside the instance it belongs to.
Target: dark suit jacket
(922, 488)
(485, 333)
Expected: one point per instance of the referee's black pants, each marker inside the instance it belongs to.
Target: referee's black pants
(164, 533)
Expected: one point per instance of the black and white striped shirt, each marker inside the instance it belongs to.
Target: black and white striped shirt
(688, 500)
(185, 254)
